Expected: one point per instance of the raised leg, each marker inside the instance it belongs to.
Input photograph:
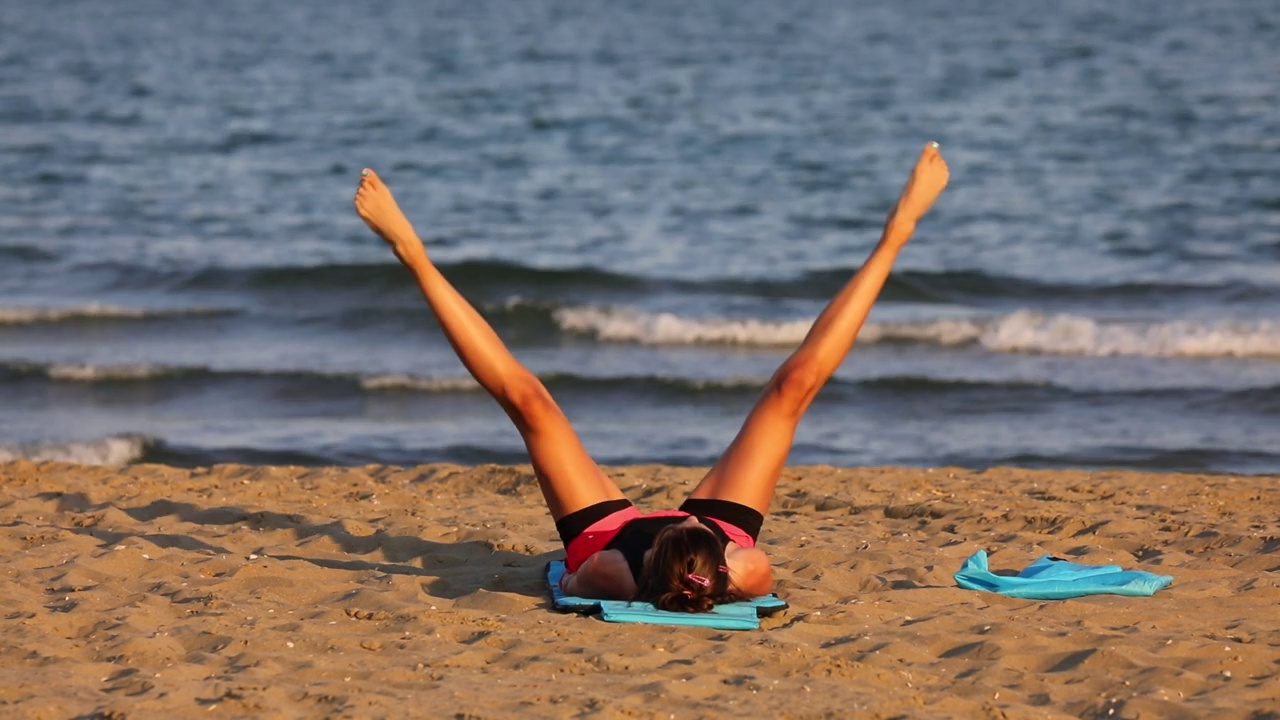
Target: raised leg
(749, 469)
(570, 480)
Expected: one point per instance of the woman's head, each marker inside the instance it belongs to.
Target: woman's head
(686, 570)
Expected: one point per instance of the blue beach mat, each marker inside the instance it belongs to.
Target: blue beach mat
(1050, 578)
(728, 616)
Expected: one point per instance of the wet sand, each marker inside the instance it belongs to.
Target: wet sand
(370, 592)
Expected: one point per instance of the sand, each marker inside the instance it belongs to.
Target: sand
(235, 591)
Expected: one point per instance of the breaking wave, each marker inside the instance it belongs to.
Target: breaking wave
(1022, 331)
(95, 311)
(114, 451)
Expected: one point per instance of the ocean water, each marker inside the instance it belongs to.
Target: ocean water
(651, 202)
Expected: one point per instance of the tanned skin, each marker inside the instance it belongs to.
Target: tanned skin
(749, 469)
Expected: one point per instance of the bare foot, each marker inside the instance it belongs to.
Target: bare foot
(927, 180)
(377, 207)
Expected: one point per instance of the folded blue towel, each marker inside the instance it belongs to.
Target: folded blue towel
(728, 616)
(1050, 578)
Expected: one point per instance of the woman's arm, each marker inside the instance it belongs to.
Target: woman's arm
(749, 570)
(603, 576)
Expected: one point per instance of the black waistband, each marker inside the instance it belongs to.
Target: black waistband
(575, 523)
(748, 519)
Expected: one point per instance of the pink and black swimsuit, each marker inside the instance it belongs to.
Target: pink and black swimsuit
(618, 525)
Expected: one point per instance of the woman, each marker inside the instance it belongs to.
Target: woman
(703, 553)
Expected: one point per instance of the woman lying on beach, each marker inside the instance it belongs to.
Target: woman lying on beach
(704, 552)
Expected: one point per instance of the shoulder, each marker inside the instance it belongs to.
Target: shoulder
(749, 569)
(607, 563)
(604, 575)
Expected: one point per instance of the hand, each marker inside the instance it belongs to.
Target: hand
(928, 178)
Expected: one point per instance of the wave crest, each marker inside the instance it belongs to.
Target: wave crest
(420, 384)
(624, 325)
(1022, 331)
(1031, 332)
(92, 373)
(114, 451)
(96, 311)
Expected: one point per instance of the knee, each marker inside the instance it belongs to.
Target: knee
(795, 384)
(526, 399)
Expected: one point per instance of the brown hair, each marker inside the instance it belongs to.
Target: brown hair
(686, 571)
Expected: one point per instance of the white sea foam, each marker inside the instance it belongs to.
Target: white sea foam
(115, 451)
(25, 316)
(1030, 332)
(421, 384)
(28, 316)
(1018, 332)
(624, 325)
(93, 373)
(947, 333)
(107, 373)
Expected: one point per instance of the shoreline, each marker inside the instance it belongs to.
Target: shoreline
(234, 590)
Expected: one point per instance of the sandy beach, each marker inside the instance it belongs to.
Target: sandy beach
(289, 592)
